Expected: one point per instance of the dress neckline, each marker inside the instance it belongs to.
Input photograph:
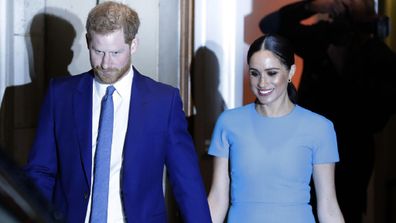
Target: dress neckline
(257, 113)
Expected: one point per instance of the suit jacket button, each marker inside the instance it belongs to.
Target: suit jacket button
(86, 195)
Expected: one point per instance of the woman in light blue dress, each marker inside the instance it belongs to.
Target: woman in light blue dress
(267, 151)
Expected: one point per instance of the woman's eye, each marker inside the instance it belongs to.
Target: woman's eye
(254, 73)
(272, 73)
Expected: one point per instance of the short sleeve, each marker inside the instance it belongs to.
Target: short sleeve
(219, 145)
(326, 150)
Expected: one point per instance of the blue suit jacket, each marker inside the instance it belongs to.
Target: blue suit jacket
(61, 157)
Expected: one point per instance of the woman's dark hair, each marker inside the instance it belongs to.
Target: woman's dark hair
(282, 49)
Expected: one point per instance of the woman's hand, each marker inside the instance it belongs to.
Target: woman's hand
(219, 192)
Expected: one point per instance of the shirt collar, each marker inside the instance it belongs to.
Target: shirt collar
(122, 86)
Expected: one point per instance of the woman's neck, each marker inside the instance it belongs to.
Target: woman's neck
(275, 110)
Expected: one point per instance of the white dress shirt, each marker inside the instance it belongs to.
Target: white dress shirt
(121, 100)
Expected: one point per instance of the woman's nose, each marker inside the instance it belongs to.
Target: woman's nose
(262, 81)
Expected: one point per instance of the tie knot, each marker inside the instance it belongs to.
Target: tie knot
(110, 90)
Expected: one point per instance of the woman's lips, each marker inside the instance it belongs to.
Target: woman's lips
(265, 92)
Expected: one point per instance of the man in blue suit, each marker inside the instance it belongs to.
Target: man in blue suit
(149, 131)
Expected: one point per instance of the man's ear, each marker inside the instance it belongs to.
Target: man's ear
(134, 45)
(87, 40)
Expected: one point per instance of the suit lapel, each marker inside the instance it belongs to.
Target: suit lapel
(139, 97)
(82, 112)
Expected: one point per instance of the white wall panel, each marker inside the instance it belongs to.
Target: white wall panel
(219, 27)
(4, 39)
(23, 13)
(146, 58)
(75, 12)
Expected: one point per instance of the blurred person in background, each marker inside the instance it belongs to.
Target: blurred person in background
(348, 76)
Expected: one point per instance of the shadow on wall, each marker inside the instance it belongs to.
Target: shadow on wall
(49, 40)
(208, 105)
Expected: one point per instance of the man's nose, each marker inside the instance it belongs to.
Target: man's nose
(105, 61)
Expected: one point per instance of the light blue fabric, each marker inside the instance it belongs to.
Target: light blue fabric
(271, 162)
(102, 159)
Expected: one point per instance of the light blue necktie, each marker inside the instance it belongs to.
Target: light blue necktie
(102, 159)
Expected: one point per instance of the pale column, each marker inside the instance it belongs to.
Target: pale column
(219, 27)
(4, 39)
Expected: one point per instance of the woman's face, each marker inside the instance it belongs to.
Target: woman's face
(269, 78)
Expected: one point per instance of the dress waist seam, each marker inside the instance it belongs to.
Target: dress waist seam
(269, 203)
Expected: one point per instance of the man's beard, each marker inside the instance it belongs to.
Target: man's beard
(111, 75)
